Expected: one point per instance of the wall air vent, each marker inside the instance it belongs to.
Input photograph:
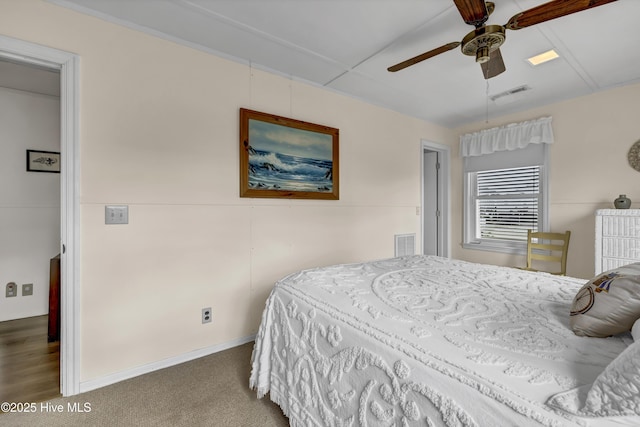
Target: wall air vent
(405, 244)
(507, 95)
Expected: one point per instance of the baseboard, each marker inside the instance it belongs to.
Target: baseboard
(150, 367)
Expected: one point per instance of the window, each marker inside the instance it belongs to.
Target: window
(507, 203)
(505, 194)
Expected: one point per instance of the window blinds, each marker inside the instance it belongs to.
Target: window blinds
(507, 202)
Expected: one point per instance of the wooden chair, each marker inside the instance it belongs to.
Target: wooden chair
(547, 248)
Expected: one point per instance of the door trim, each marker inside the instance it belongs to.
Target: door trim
(444, 195)
(68, 64)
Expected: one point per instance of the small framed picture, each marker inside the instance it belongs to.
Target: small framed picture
(43, 161)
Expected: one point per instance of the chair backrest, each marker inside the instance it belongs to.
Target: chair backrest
(548, 248)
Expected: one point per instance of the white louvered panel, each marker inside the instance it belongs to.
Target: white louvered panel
(611, 263)
(620, 247)
(624, 226)
(617, 238)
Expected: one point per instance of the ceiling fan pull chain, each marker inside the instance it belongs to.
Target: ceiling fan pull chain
(487, 103)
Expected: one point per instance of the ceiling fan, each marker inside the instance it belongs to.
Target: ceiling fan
(484, 42)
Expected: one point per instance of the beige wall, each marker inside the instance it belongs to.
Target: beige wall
(159, 132)
(588, 170)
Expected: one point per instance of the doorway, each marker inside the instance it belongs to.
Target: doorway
(68, 65)
(29, 348)
(435, 199)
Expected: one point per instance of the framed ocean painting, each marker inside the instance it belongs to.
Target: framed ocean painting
(287, 158)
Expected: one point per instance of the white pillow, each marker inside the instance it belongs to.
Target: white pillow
(613, 393)
(608, 304)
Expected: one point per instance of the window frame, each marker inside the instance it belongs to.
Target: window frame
(471, 219)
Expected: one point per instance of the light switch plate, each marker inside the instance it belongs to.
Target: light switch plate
(116, 214)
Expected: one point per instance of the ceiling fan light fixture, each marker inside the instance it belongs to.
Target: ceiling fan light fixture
(482, 54)
(482, 41)
(543, 57)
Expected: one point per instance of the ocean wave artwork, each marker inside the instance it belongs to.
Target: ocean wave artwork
(277, 171)
(288, 159)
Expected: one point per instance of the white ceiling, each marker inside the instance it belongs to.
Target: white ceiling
(347, 45)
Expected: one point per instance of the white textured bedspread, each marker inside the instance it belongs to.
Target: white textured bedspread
(425, 341)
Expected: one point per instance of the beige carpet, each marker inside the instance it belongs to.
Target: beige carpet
(210, 391)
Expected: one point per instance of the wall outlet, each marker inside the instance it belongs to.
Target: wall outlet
(11, 290)
(206, 315)
(27, 289)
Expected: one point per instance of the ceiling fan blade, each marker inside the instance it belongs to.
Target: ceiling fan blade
(551, 10)
(494, 66)
(473, 12)
(404, 64)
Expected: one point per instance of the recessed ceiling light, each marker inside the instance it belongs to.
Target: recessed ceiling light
(543, 57)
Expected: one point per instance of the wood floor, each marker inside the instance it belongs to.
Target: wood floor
(29, 364)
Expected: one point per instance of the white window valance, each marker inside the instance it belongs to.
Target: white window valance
(507, 138)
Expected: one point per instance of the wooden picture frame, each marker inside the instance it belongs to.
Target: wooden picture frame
(43, 161)
(287, 158)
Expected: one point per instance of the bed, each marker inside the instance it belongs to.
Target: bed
(431, 341)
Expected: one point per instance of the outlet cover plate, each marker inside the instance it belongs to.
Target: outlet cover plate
(206, 315)
(27, 289)
(116, 214)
